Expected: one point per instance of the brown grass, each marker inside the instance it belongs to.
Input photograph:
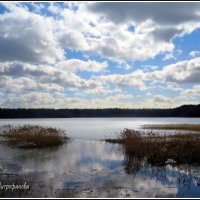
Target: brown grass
(186, 127)
(183, 148)
(33, 136)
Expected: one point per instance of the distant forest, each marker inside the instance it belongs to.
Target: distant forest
(182, 111)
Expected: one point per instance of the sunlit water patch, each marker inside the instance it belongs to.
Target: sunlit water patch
(97, 128)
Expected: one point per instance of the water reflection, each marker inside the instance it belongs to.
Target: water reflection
(185, 178)
(83, 168)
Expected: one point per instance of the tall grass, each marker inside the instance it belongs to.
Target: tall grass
(183, 148)
(186, 127)
(33, 136)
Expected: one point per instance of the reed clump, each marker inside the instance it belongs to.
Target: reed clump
(182, 148)
(33, 136)
(186, 127)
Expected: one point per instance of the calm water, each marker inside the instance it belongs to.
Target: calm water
(86, 167)
(97, 128)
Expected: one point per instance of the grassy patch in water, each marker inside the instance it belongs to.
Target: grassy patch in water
(33, 136)
(186, 127)
(182, 148)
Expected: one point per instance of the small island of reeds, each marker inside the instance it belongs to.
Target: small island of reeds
(158, 150)
(33, 136)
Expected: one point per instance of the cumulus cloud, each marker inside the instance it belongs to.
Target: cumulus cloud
(166, 33)
(170, 86)
(169, 56)
(150, 67)
(32, 99)
(80, 65)
(194, 54)
(192, 92)
(162, 99)
(36, 66)
(172, 55)
(42, 39)
(148, 94)
(157, 101)
(25, 85)
(107, 39)
(162, 12)
(18, 69)
(187, 71)
(47, 100)
(48, 74)
(72, 40)
(101, 90)
(69, 79)
(27, 37)
(134, 79)
(159, 22)
(122, 45)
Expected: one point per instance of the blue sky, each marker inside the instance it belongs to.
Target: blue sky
(99, 54)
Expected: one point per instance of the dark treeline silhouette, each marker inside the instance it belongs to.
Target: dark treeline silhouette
(182, 111)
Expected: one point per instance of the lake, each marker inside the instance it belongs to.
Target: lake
(86, 167)
(97, 128)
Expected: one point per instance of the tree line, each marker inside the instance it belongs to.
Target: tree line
(182, 111)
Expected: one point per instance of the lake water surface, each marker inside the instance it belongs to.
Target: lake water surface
(87, 167)
(97, 128)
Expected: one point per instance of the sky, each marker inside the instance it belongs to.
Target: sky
(99, 54)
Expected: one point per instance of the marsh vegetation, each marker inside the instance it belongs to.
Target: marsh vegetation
(28, 136)
(185, 127)
(159, 150)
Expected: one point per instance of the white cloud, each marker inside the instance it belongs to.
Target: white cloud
(124, 66)
(187, 71)
(73, 39)
(74, 65)
(172, 55)
(192, 92)
(53, 8)
(46, 100)
(162, 99)
(43, 38)
(156, 24)
(161, 12)
(134, 79)
(60, 100)
(106, 38)
(157, 101)
(169, 56)
(148, 94)
(28, 37)
(170, 86)
(19, 69)
(150, 67)
(194, 54)
(33, 60)
(43, 100)
(122, 45)
(25, 85)
(48, 74)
